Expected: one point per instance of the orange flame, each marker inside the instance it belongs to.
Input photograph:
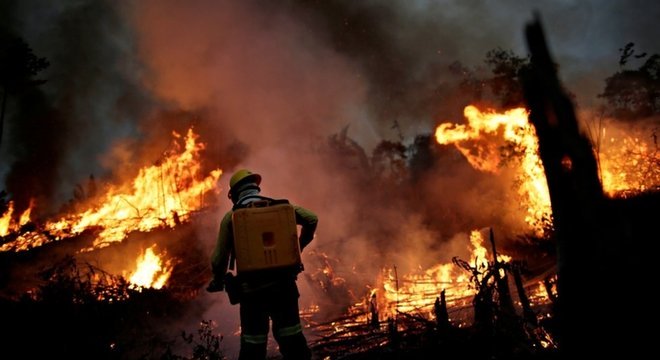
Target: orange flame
(7, 222)
(628, 163)
(150, 270)
(628, 160)
(480, 140)
(162, 195)
(416, 292)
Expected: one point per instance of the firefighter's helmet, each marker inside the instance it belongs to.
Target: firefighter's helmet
(243, 176)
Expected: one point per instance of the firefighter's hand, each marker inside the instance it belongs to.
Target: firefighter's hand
(215, 286)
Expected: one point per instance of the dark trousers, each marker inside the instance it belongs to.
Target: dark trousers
(279, 303)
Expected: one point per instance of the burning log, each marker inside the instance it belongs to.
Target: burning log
(410, 316)
(163, 195)
(347, 334)
(496, 321)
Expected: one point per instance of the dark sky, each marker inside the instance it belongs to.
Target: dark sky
(263, 69)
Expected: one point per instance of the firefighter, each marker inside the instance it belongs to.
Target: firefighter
(264, 294)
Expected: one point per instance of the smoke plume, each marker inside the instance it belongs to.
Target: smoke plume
(302, 92)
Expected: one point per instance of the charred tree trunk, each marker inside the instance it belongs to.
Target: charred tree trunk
(548, 289)
(373, 311)
(589, 232)
(441, 314)
(484, 311)
(575, 191)
(503, 291)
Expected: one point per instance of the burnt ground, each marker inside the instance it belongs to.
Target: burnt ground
(65, 319)
(54, 305)
(133, 329)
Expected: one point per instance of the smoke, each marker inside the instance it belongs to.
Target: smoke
(266, 84)
(275, 80)
(57, 132)
(377, 64)
(404, 47)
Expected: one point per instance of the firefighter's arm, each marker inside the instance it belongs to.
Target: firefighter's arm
(308, 220)
(220, 256)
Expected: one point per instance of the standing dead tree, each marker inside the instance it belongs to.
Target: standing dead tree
(598, 239)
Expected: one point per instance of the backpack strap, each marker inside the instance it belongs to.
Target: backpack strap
(260, 201)
(232, 252)
(232, 259)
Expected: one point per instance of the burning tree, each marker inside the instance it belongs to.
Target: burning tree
(165, 194)
(132, 303)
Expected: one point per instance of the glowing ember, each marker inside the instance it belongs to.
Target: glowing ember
(628, 164)
(418, 291)
(480, 142)
(539, 294)
(151, 271)
(162, 195)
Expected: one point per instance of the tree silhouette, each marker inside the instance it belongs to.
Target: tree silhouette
(633, 94)
(505, 83)
(18, 66)
(503, 79)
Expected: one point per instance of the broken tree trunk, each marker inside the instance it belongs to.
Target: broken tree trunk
(575, 191)
(592, 235)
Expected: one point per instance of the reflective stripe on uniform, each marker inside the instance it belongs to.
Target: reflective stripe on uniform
(290, 330)
(254, 339)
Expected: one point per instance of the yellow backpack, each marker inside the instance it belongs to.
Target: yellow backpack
(265, 236)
